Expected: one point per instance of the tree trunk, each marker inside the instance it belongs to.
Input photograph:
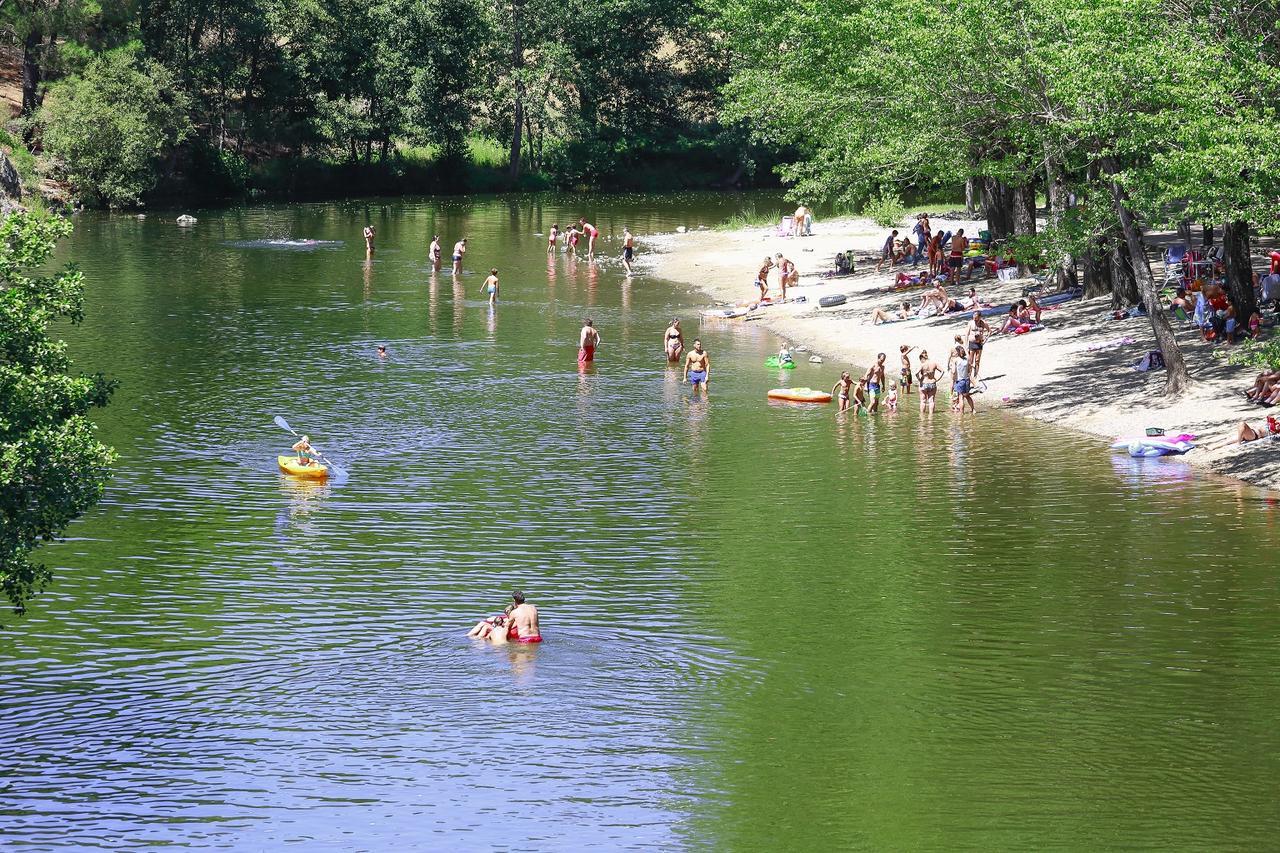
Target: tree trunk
(1057, 192)
(1097, 271)
(1024, 209)
(997, 204)
(1184, 232)
(1206, 234)
(971, 196)
(517, 114)
(1176, 377)
(1124, 284)
(1235, 249)
(32, 46)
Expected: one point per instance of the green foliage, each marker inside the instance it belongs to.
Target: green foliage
(52, 467)
(23, 161)
(1263, 354)
(111, 127)
(885, 209)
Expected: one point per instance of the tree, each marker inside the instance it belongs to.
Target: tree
(111, 127)
(52, 467)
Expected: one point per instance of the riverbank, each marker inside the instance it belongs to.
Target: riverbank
(1077, 372)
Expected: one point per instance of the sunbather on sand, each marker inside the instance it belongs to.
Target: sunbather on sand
(1245, 432)
(879, 315)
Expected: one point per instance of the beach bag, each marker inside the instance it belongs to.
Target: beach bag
(1153, 360)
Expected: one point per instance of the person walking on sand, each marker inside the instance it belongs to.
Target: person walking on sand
(588, 340)
(875, 382)
(490, 286)
(368, 239)
(628, 248)
(928, 375)
(592, 233)
(762, 278)
(523, 621)
(673, 341)
(842, 389)
(886, 251)
(697, 367)
(788, 275)
(960, 389)
(977, 338)
(459, 249)
(434, 251)
(955, 261)
(904, 376)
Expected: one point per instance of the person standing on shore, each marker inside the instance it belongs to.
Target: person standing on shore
(762, 278)
(459, 249)
(490, 286)
(697, 367)
(955, 261)
(434, 251)
(788, 275)
(935, 253)
(588, 340)
(886, 251)
(977, 338)
(368, 239)
(628, 248)
(928, 376)
(921, 231)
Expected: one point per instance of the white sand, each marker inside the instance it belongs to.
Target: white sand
(1074, 373)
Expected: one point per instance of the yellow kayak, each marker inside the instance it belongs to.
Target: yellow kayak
(290, 465)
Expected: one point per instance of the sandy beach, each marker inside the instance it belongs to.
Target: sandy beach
(1077, 372)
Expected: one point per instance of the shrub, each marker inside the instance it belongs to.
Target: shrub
(885, 210)
(110, 128)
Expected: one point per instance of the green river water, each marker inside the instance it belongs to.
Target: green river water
(766, 628)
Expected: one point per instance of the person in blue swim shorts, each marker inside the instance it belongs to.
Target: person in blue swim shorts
(697, 366)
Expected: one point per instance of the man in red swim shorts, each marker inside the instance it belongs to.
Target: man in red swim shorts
(587, 343)
(523, 621)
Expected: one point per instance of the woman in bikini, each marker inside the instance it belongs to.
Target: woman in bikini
(673, 341)
(928, 375)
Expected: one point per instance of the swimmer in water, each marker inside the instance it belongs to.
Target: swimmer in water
(494, 628)
(523, 621)
(459, 249)
(382, 350)
(490, 286)
(628, 248)
(368, 239)
(588, 340)
(435, 251)
(697, 367)
(673, 341)
(842, 388)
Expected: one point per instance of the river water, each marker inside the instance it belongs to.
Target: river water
(767, 628)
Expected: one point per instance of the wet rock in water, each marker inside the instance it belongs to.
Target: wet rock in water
(681, 229)
(813, 359)
(186, 219)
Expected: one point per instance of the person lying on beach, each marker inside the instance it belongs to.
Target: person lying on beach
(1245, 432)
(879, 315)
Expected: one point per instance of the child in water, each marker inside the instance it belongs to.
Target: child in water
(784, 354)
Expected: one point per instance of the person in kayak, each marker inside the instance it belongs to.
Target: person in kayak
(306, 455)
(523, 621)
